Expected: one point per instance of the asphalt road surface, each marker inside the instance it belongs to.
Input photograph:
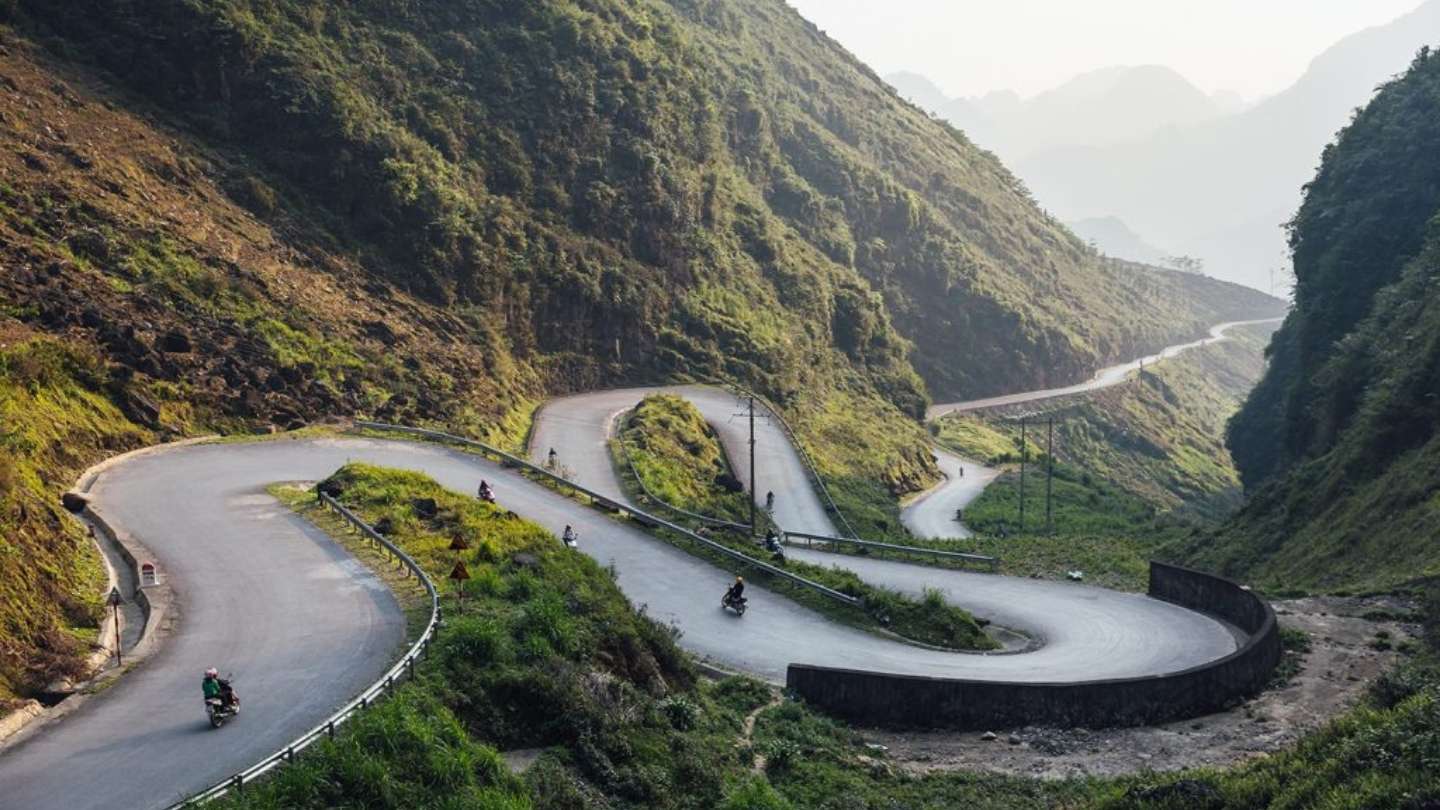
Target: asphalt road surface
(1087, 633)
(932, 513)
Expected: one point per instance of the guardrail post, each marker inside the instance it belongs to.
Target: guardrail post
(330, 729)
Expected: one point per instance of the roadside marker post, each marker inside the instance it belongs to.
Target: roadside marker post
(458, 575)
(115, 600)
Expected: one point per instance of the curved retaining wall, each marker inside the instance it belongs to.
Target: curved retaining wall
(923, 702)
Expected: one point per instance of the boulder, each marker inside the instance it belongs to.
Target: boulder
(176, 341)
(139, 409)
(74, 502)
(426, 508)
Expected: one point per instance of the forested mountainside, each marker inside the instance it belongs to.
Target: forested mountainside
(1338, 442)
(228, 214)
(626, 188)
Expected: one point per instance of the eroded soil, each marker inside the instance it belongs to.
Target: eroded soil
(1343, 659)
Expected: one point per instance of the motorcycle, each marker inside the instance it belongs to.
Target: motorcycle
(486, 494)
(221, 709)
(733, 603)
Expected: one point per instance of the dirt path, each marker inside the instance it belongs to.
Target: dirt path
(1342, 661)
(748, 733)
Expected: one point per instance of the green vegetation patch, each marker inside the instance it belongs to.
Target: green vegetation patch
(547, 653)
(869, 454)
(679, 459)
(53, 424)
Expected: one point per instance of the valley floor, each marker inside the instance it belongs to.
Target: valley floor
(1341, 662)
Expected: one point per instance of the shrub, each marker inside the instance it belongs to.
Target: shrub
(756, 794)
(258, 197)
(681, 712)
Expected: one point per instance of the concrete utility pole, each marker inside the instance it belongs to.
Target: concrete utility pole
(754, 490)
(754, 485)
(1049, 472)
(1023, 453)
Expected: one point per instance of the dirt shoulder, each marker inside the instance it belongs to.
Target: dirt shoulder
(1342, 661)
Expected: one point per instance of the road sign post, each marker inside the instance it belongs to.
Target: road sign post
(115, 600)
(458, 575)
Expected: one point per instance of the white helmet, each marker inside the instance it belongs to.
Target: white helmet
(212, 672)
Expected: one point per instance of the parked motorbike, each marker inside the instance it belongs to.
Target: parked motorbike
(733, 603)
(221, 709)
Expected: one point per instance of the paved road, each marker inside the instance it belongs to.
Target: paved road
(1087, 632)
(1104, 378)
(932, 513)
(304, 626)
(578, 427)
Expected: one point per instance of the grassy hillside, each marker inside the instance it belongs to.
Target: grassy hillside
(1158, 438)
(632, 187)
(54, 420)
(1339, 444)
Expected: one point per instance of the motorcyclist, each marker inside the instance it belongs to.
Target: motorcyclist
(772, 540)
(570, 538)
(770, 501)
(485, 492)
(736, 594)
(211, 684)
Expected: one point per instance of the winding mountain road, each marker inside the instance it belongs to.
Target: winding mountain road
(304, 626)
(931, 515)
(1104, 378)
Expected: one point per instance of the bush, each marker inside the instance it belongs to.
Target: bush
(681, 712)
(258, 197)
(756, 794)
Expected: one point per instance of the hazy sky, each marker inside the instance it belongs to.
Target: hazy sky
(969, 47)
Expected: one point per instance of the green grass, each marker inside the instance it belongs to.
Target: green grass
(679, 459)
(869, 455)
(1079, 504)
(53, 425)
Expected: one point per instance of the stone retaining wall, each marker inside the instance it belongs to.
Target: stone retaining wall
(883, 699)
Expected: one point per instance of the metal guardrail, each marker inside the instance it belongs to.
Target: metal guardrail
(406, 665)
(933, 552)
(712, 521)
(511, 460)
